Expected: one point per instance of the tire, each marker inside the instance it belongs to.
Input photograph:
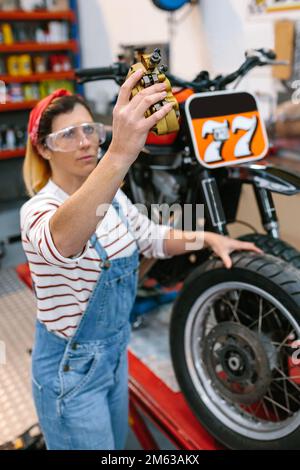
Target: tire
(275, 247)
(243, 343)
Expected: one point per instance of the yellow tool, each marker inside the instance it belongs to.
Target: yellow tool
(155, 73)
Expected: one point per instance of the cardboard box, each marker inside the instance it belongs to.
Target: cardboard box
(284, 48)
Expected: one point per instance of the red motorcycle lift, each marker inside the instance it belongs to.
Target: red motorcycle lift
(167, 410)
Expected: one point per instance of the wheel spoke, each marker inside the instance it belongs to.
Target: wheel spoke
(258, 407)
(278, 405)
(266, 409)
(291, 397)
(280, 379)
(233, 308)
(263, 316)
(284, 341)
(271, 399)
(244, 314)
(263, 405)
(275, 343)
(288, 379)
(286, 395)
(260, 314)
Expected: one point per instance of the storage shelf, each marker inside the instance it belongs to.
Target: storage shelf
(6, 154)
(38, 47)
(4, 108)
(282, 8)
(39, 77)
(69, 46)
(19, 15)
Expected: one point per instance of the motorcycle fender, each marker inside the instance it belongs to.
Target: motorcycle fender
(272, 178)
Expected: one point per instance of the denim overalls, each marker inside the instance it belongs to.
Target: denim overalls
(80, 386)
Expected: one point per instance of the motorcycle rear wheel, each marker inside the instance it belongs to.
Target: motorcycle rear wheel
(275, 247)
(232, 339)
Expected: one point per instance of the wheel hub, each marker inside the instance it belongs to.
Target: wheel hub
(237, 363)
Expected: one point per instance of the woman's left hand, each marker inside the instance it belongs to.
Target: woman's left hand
(222, 246)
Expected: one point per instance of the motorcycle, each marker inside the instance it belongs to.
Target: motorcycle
(234, 333)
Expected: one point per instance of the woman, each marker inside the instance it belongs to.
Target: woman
(82, 237)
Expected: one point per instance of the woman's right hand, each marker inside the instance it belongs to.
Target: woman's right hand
(130, 127)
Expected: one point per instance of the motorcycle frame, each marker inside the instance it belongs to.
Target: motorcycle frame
(264, 178)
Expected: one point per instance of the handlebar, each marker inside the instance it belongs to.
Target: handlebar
(118, 72)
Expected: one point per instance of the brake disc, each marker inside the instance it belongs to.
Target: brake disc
(237, 363)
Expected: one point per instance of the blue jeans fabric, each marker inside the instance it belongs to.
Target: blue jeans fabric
(80, 386)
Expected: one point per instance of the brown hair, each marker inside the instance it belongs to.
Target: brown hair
(36, 169)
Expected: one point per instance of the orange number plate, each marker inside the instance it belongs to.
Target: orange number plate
(226, 128)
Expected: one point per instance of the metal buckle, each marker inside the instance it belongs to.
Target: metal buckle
(105, 264)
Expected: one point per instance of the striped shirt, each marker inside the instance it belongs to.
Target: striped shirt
(63, 285)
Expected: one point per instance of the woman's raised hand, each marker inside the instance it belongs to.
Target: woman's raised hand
(130, 127)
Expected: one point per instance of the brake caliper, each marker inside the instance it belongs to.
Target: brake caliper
(155, 73)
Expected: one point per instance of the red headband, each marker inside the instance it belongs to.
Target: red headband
(36, 113)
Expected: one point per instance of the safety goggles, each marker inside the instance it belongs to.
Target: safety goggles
(73, 137)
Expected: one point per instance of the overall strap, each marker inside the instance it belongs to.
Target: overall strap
(98, 247)
(94, 240)
(120, 212)
(124, 219)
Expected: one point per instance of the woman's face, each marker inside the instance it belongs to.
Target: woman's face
(80, 162)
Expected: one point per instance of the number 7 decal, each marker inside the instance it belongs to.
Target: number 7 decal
(220, 131)
(243, 146)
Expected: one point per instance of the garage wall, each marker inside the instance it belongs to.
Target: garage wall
(105, 24)
(139, 21)
(230, 31)
(212, 35)
(96, 50)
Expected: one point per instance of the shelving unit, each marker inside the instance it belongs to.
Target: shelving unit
(7, 154)
(71, 46)
(14, 113)
(18, 106)
(39, 47)
(19, 15)
(39, 77)
(274, 12)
